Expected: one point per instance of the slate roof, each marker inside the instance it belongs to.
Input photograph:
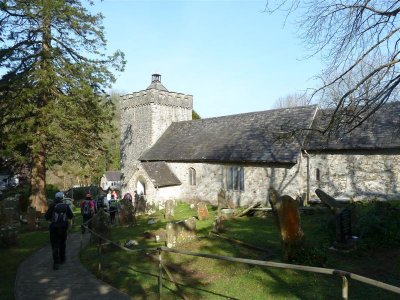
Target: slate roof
(113, 175)
(380, 131)
(160, 174)
(157, 85)
(250, 137)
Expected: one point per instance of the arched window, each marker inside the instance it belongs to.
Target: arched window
(317, 174)
(141, 187)
(192, 176)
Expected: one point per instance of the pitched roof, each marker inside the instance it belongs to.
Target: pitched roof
(380, 131)
(160, 174)
(113, 175)
(249, 137)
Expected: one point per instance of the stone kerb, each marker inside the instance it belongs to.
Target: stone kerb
(181, 232)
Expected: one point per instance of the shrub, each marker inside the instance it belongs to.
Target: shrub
(378, 224)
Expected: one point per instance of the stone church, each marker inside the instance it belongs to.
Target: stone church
(167, 155)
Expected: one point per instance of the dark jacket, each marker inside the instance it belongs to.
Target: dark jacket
(62, 207)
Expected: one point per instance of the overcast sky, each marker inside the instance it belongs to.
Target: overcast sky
(230, 55)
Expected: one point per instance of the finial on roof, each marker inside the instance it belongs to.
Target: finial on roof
(156, 83)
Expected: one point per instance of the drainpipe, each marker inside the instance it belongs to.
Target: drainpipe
(308, 176)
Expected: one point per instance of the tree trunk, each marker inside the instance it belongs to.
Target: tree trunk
(38, 182)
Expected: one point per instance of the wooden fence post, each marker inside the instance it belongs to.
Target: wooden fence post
(345, 288)
(160, 272)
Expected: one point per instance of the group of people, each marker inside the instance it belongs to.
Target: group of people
(59, 214)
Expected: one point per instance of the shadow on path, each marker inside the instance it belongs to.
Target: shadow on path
(36, 278)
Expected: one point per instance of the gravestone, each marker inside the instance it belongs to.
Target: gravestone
(287, 213)
(100, 224)
(224, 200)
(31, 218)
(181, 232)
(202, 211)
(141, 207)
(218, 225)
(344, 238)
(8, 236)
(169, 209)
(127, 214)
(328, 200)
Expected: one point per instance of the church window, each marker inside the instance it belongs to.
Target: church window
(235, 178)
(192, 176)
(317, 175)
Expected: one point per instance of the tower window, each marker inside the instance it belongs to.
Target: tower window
(192, 176)
(235, 178)
(317, 175)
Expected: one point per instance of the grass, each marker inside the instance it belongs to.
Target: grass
(203, 278)
(12, 257)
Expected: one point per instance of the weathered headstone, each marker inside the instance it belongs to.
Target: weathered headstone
(224, 200)
(288, 217)
(127, 214)
(100, 224)
(169, 209)
(8, 236)
(328, 200)
(181, 232)
(202, 211)
(344, 238)
(141, 207)
(218, 225)
(31, 218)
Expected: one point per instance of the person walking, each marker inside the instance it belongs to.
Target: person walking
(58, 215)
(87, 211)
(113, 209)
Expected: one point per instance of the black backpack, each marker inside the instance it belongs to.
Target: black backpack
(59, 217)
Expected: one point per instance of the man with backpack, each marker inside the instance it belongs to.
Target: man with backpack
(58, 214)
(87, 211)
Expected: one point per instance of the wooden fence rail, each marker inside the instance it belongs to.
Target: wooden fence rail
(343, 274)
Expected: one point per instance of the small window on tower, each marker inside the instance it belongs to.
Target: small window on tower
(317, 175)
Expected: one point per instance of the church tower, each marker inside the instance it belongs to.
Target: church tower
(145, 115)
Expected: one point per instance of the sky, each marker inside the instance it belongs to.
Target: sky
(230, 55)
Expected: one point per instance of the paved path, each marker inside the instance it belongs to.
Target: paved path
(36, 279)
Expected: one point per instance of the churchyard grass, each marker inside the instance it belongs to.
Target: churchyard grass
(204, 278)
(28, 242)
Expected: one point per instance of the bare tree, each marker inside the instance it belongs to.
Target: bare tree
(292, 100)
(350, 35)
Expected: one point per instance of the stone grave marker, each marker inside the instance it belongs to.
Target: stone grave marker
(202, 211)
(31, 218)
(169, 209)
(328, 200)
(224, 200)
(218, 225)
(344, 238)
(8, 236)
(289, 223)
(181, 232)
(100, 223)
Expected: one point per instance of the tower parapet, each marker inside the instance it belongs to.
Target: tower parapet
(145, 115)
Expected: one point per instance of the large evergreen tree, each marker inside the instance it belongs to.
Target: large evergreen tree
(54, 72)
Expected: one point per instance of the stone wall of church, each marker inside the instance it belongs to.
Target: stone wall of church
(356, 175)
(210, 178)
(145, 116)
